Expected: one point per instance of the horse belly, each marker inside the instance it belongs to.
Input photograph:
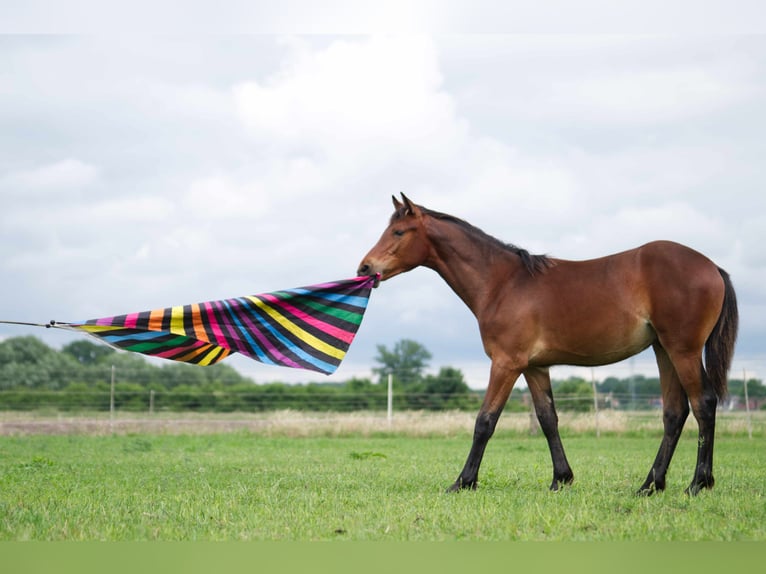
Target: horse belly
(593, 344)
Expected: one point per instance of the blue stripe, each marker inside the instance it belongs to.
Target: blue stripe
(355, 300)
(289, 344)
(242, 330)
(136, 335)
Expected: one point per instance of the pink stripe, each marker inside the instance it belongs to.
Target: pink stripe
(174, 350)
(277, 356)
(128, 323)
(214, 326)
(362, 279)
(336, 332)
(230, 332)
(319, 286)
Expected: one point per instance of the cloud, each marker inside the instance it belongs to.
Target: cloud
(598, 82)
(674, 94)
(66, 174)
(171, 170)
(374, 93)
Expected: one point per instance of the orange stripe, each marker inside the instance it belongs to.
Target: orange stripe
(194, 352)
(199, 328)
(155, 319)
(213, 354)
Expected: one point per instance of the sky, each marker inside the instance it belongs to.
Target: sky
(140, 171)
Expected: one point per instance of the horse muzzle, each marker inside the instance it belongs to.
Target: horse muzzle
(367, 270)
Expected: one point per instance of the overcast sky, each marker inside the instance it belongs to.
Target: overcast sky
(140, 171)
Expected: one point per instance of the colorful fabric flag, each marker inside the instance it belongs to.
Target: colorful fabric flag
(309, 327)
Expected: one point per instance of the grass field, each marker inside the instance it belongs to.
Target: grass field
(248, 485)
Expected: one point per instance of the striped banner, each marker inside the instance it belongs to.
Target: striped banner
(309, 327)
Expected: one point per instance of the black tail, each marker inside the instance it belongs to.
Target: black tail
(719, 347)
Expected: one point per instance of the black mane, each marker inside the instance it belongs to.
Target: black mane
(533, 263)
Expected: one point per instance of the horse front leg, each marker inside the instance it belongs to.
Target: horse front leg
(539, 383)
(501, 381)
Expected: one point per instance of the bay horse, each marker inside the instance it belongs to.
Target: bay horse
(536, 311)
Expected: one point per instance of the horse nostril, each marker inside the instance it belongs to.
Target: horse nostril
(363, 269)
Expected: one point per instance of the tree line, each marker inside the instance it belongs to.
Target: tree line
(78, 377)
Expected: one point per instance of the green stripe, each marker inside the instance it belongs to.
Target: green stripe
(350, 316)
(146, 347)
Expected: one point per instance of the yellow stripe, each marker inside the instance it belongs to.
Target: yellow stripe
(208, 359)
(177, 320)
(98, 328)
(297, 331)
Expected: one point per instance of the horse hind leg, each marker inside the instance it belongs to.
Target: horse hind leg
(704, 405)
(539, 383)
(675, 410)
(704, 401)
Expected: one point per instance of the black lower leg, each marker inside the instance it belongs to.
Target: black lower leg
(483, 430)
(673, 423)
(549, 422)
(703, 472)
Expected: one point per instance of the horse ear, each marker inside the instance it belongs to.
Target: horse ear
(411, 208)
(397, 203)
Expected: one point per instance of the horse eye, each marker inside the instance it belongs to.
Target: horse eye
(398, 232)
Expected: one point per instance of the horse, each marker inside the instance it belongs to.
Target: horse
(535, 311)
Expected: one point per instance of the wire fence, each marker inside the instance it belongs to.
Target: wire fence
(151, 401)
(268, 398)
(294, 423)
(150, 404)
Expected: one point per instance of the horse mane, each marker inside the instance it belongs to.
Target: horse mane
(532, 263)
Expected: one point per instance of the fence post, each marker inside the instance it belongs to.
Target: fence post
(111, 403)
(151, 401)
(595, 401)
(747, 406)
(534, 425)
(390, 409)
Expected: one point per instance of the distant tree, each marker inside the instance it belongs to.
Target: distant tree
(27, 362)
(86, 352)
(407, 361)
(449, 381)
(445, 390)
(225, 375)
(573, 394)
(25, 350)
(613, 385)
(755, 388)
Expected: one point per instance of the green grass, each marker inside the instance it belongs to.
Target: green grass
(242, 486)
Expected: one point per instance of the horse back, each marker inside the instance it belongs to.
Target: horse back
(604, 310)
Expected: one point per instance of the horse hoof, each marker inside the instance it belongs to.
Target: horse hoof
(648, 489)
(460, 485)
(558, 483)
(705, 483)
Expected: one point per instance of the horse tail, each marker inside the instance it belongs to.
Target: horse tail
(719, 347)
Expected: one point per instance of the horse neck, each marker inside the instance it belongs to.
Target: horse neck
(468, 263)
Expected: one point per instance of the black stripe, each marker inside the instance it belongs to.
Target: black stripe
(142, 320)
(188, 320)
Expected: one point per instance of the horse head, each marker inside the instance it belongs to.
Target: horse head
(402, 246)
